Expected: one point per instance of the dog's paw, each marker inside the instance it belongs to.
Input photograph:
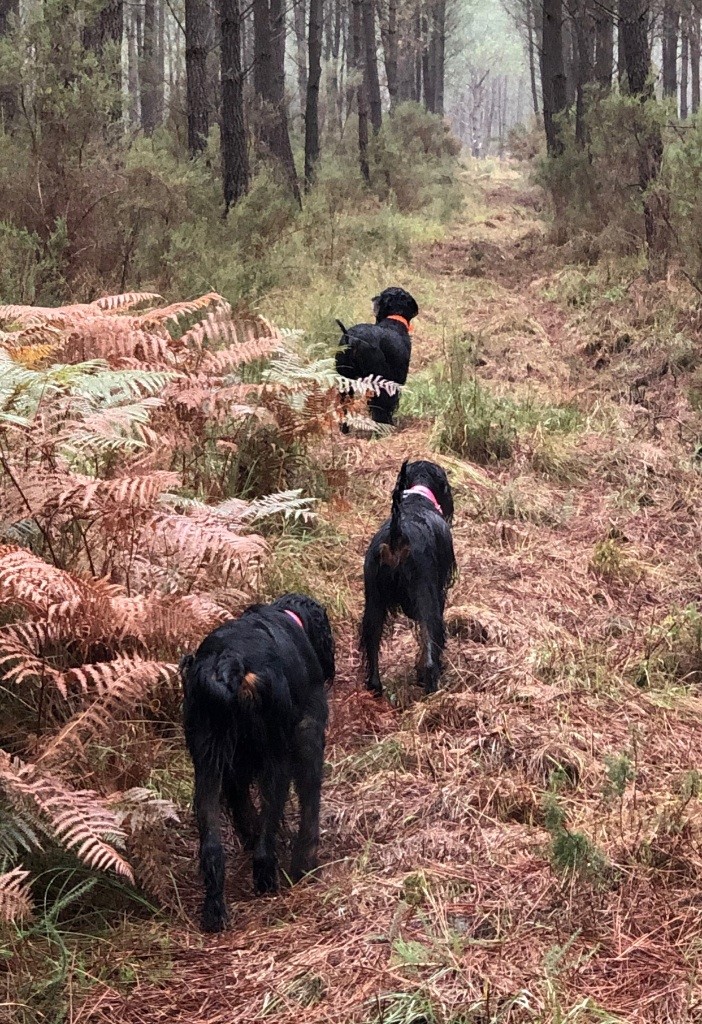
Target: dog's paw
(304, 869)
(214, 917)
(265, 875)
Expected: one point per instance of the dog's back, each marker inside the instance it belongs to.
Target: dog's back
(371, 350)
(249, 684)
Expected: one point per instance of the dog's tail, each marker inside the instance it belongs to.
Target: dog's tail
(395, 551)
(343, 329)
(222, 679)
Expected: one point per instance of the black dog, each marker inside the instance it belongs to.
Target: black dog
(382, 349)
(409, 566)
(255, 711)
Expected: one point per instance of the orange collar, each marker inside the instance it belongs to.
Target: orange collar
(402, 319)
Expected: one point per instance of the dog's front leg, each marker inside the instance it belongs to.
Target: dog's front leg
(274, 784)
(208, 785)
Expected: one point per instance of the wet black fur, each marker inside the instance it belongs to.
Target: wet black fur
(382, 349)
(255, 712)
(409, 567)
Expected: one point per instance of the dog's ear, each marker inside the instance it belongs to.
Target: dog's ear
(442, 489)
(317, 627)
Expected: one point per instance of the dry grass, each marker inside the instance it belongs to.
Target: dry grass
(525, 845)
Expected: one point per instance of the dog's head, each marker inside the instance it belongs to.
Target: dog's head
(432, 476)
(394, 301)
(315, 622)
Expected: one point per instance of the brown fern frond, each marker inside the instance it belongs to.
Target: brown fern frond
(236, 355)
(116, 339)
(171, 620)
(15, 896)
(121, 686)
(32, 356)
(79, 819)
(111, 303)
(189, 543)
(178, 310)
(31, 583)
(128, 492)
(20, 664)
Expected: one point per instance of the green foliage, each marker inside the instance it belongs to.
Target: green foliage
(571, 853)
(673, 651)
(620, 772)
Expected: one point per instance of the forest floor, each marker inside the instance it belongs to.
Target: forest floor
(525, 844)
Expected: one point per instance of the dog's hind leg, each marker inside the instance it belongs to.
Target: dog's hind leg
(208, 785)
(308, 782)
(432, 637)
(274, 784)
(372, 626)
(237, 791)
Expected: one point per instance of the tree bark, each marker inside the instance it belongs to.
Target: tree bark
(269, 84)
(299, 22)
(634, 16)
(604, 49)
(235, 158)
(531, 53)
(570, 62)
(695, 60)
(160, 62)
(671, 22)
(585, 43)
(315, 75)
(388, 34)
(9, 11)
(149, 69)
(358, 60)
(553, 83)
(684, 66)
(371, 65)
(132, 70)
(196, 75)
(105, 29)
(438, 50)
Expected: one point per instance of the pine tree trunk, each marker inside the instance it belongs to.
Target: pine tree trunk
(419, 55)
(299, 22)
(103, 34)
(149, 69)
(684, 64)
(634, 17)
(585, 43)
(695, 60)
(159, 102)
(235, 158)
(371, 65)
(570, 62)
(438, 54)
(388, 34)
(196, 75)
(9, 12)
(269, 83)
(553, 83)
(133, 70)
(532, 56)
(315, 76)
(358, 59)
(427, 83)
(671, 21)
(604, 49)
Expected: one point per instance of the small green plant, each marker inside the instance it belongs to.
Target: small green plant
(611, 562)
(571, 853)
(673, 652)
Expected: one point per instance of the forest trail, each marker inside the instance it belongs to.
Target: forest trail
(453, 887)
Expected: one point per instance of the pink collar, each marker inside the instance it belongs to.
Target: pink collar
(296, 618)
(426, 493)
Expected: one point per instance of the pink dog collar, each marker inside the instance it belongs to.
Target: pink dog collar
(294, 617)
(426, 493)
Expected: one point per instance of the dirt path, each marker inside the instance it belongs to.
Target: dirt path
(449, 893)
